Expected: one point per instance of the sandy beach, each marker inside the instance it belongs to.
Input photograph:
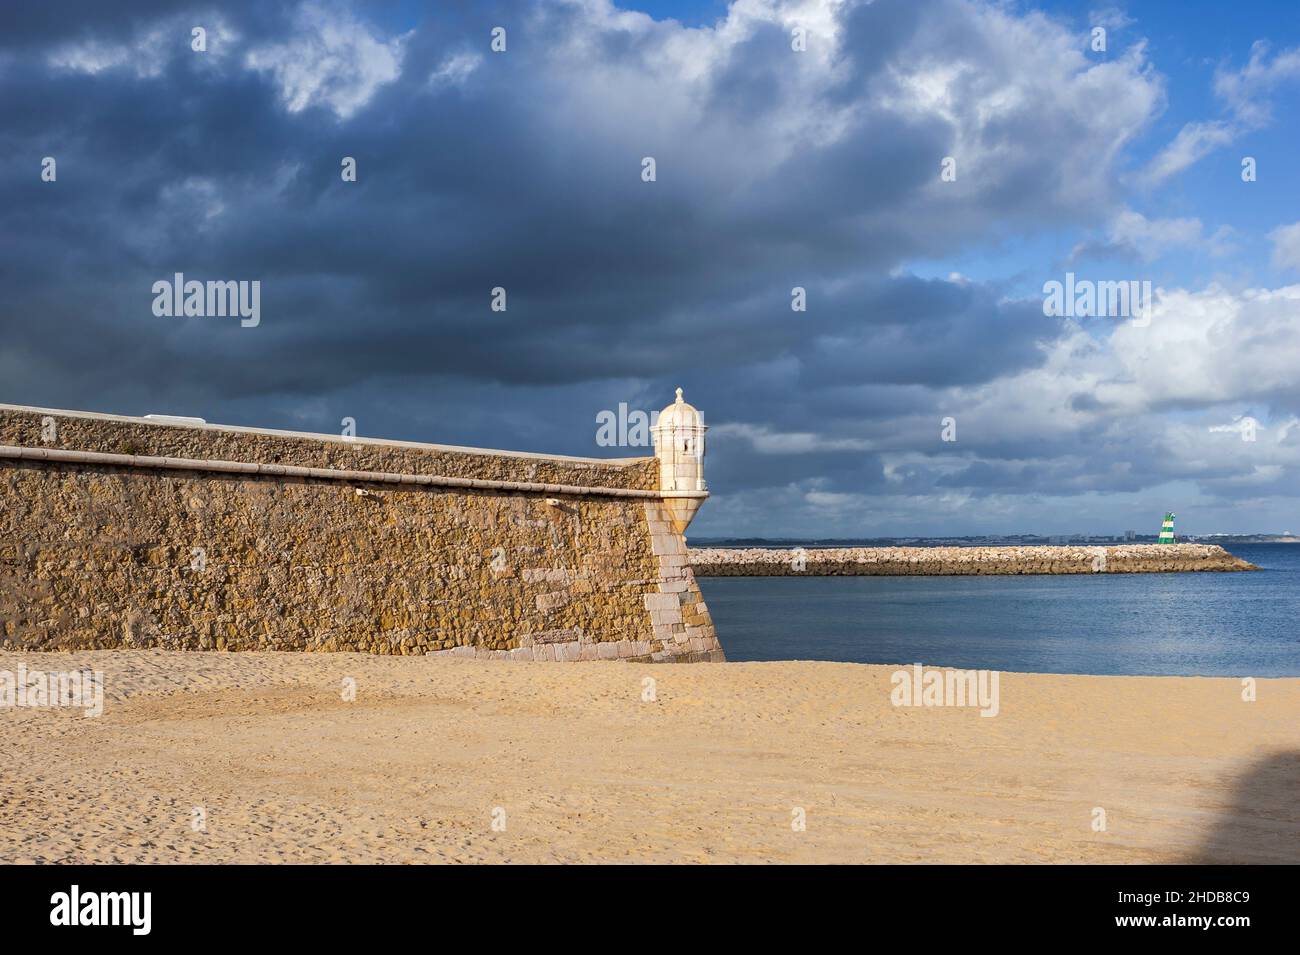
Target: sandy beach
(576, 766)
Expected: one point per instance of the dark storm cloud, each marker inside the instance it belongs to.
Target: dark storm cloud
(460, 190)
(522, 170)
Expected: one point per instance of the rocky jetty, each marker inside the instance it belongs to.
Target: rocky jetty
(960, 561)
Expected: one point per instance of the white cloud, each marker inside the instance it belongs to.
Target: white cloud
(1203, 350)
(1286, 246)
(976, 75)
(1242, 424)
(766, 441)
(92, 56)
(1246, 93)
(1112, 18)
(1096, 417)
(456, 69)
(334, 61)
(1212, 346)
(1193, 142)
(1133, 235)
(197, 198)
(148, 52)
(1118, 416)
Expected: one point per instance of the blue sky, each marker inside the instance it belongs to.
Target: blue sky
(777, 168)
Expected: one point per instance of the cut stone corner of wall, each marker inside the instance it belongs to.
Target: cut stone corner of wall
(679, 618)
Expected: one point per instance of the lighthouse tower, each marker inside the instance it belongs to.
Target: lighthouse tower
(679, 446)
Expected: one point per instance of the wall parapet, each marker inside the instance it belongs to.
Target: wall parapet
(22, 426)
(56, 455)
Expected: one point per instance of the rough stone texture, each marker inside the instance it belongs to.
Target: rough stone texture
(952, 561)
(95, 557)
(119, 435)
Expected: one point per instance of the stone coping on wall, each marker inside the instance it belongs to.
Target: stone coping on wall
(56, 456)
(22, 426)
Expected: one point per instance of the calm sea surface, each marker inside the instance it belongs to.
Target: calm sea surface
(1243, 624)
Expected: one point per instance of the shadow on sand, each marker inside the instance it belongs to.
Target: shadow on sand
(1263, 823)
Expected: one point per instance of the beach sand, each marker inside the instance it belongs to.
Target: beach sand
(581, 769)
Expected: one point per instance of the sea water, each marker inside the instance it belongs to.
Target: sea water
(1187, 624)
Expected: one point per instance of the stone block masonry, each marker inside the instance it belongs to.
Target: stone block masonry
(125, 532)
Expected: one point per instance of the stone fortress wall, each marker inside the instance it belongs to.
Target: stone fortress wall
(128, 532)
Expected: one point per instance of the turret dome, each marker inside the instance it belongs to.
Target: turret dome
(680, 414)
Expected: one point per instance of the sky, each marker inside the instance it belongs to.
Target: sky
(919, 171)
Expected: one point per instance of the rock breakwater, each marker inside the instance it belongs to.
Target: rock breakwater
(961, 561)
